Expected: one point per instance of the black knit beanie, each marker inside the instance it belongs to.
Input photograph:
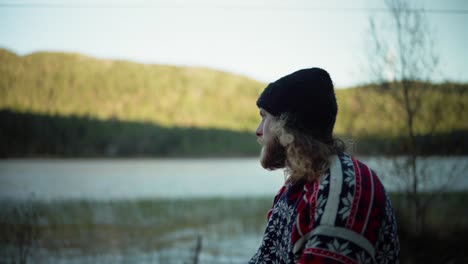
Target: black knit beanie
(308, 96)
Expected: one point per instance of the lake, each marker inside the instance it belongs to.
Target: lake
(154, 210)
(106, 179)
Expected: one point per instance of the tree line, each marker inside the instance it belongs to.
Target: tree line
(40, 135)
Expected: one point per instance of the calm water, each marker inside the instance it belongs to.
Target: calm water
(232, 239)
(135, 178)
(175, 178)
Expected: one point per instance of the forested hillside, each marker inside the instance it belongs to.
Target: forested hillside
(106, 106)
(72, 84)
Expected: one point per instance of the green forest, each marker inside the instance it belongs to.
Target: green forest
(71, 105)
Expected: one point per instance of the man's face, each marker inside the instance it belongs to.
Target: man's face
(272, 155)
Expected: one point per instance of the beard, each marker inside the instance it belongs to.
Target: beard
(273, 154)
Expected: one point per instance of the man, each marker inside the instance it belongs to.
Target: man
(332, 207)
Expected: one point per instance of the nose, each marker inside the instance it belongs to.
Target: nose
(259, 131)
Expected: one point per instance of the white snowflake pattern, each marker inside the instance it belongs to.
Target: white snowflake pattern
(362, 258)
(313, 242)
(387, 229)
(342, 249)
(350, 178)
(348, 171)
(282, 253)
(276, 245)
(346, 160)
(388, 245)
(265, 257)
(274, 224)
(282, 208)
(320, 206)
(286, 238)
(346, 210)
(324, 182)
(275, 209)
(387, 254)
(266, 238)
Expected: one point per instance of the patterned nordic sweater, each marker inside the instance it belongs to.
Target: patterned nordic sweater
(345, 217)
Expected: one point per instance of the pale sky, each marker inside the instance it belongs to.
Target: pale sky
(260, 39)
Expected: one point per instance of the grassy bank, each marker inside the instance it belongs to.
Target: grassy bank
(69, 229)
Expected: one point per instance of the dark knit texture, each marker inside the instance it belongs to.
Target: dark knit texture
(308, 96)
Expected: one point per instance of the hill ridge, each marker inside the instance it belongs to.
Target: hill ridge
(61, 83)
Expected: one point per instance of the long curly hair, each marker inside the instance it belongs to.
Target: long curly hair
(306, 156)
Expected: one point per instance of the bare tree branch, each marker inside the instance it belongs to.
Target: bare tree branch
(402, 62)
